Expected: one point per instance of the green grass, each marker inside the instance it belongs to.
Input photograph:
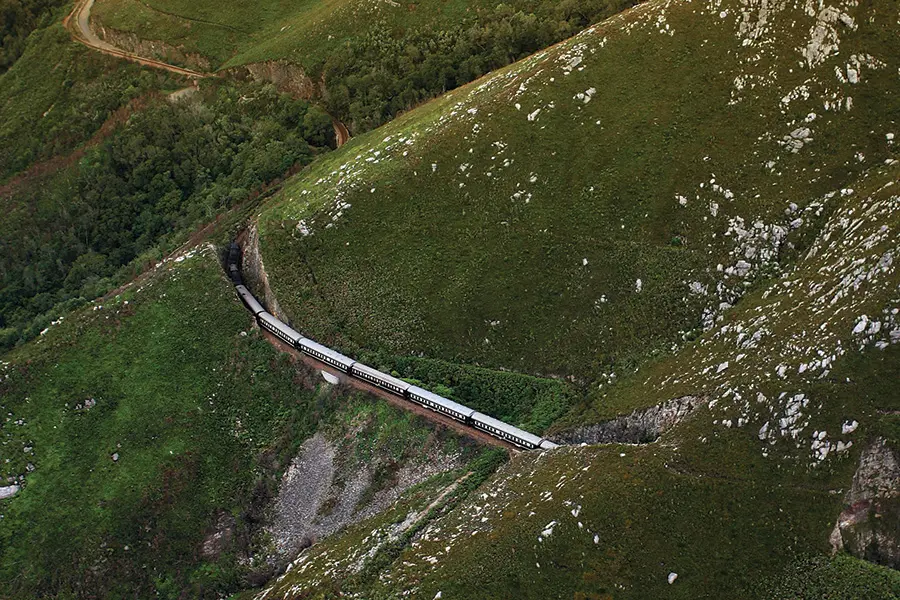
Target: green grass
(57, 96)
(140, 419)
(376, 248)
(188, 404)
(476, 274)
(531, 403)
(305, 32)
(703, 503)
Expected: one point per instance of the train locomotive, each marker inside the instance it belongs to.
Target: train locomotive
(356, 369)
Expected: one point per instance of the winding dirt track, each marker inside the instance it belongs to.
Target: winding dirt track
(78, 22)
(79, 25)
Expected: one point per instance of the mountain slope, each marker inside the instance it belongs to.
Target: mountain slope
(145, 439)
(691, 201)
(599, 201)
(741, 499)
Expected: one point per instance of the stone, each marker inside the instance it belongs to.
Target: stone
(671, 578)
(867, 526)
(9, 491)
(640, 427)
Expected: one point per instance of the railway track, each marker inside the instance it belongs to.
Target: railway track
(347, 369)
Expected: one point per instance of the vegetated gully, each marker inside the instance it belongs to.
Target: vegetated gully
(78, 22)
(400, 402)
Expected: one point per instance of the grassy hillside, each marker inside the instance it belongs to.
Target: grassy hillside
(132, 425)
(616, 521)
(237, 33)
(106, 172)
(136, 425)
(303, 32)
(367, 62)
(738, 501)
(686, 199)
(597, 203)
(59, 94)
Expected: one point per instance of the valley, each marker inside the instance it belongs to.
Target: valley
(663, 236)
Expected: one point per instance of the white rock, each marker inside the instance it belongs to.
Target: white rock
(672, 577)
(638, 285)
(9, 491)
(849, 427)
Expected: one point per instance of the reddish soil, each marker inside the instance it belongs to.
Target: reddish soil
(42, 169)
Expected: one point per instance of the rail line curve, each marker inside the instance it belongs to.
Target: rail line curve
(355, 369)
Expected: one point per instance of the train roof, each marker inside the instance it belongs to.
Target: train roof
(292, 333)
(455, 406)
(326, 351)
(498, 424)
(358, 366)
(248, 298)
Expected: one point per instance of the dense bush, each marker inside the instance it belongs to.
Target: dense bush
(531, 403)
(18, 18)
(169, 167)
(375, 77)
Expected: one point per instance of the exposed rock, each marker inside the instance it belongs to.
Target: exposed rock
(8, 491)
(287, 77)
(254, 273)
(220, 539)
(326, 489)
(130, 42)
(868, 525)
(640, 427)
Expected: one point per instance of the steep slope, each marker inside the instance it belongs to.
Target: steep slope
(599, 201)
(145, 438)
(692, 201)
(797, 389)
(366, 61)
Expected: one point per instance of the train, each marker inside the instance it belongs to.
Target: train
(358, 370)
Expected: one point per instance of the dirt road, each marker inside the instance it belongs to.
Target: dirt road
(78, 22)
(79, 25)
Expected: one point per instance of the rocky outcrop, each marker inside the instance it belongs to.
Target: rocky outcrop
(220, 539)
(326, 488)
(287, 77)
(157, 50)
(869, 525)
(254, 273)
(640, 427)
